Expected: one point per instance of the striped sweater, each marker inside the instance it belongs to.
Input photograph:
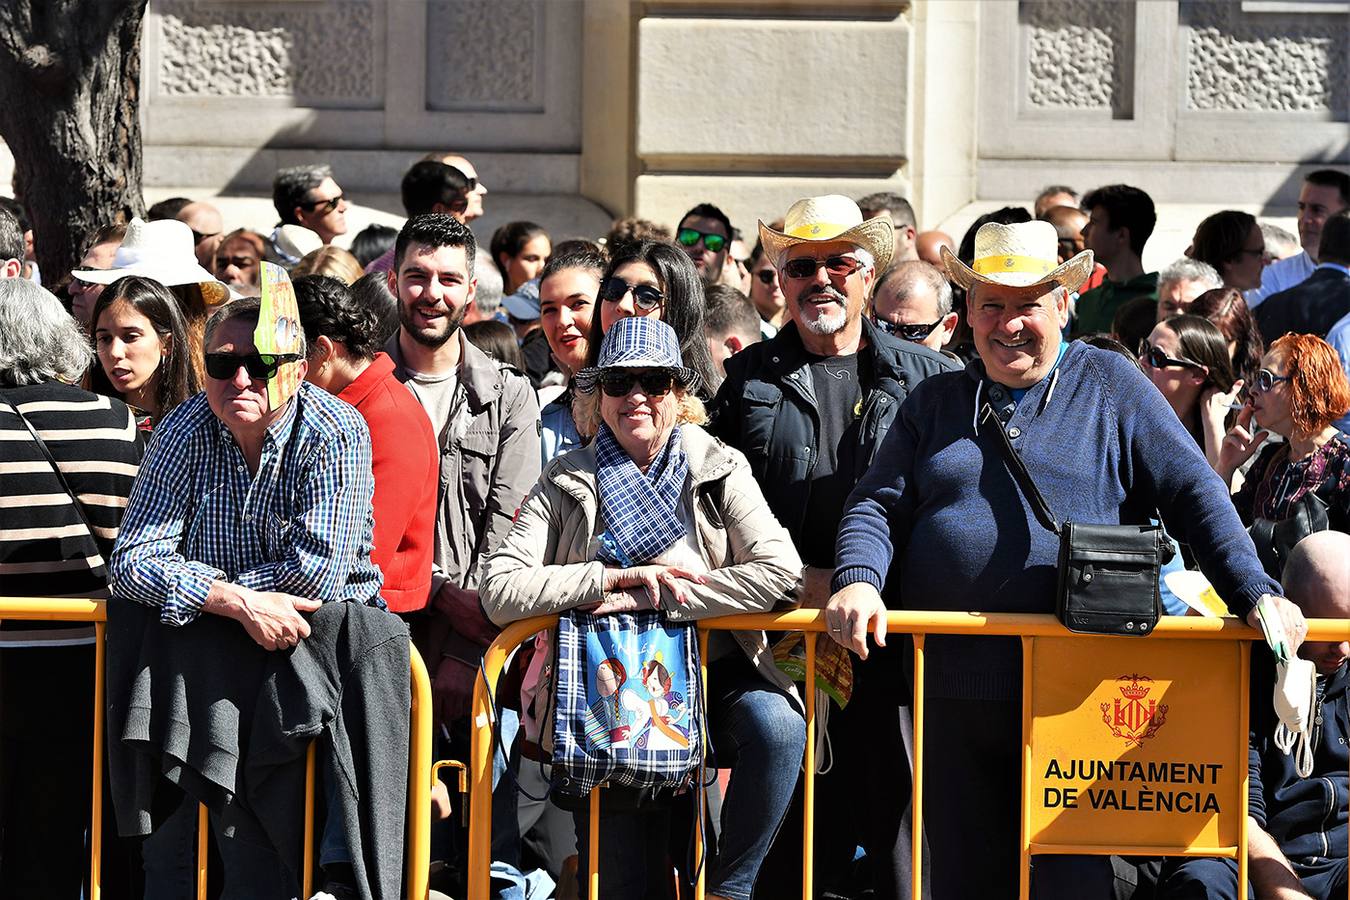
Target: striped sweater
(45, 548)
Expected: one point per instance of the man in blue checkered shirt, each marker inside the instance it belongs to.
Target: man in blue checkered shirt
(248, 512)
(254, 514)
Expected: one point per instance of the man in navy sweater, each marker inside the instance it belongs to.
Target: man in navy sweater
(1104, 447)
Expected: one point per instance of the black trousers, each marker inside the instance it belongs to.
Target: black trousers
(46, 734)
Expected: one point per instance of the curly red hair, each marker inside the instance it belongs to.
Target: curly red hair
(1319, 391)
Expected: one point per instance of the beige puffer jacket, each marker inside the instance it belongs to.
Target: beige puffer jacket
(547, 564)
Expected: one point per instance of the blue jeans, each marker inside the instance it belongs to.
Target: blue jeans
(170, 856)
(756, 729)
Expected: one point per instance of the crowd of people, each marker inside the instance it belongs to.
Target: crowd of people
(690, 421)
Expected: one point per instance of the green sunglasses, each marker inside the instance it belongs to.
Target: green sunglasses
(688, 237)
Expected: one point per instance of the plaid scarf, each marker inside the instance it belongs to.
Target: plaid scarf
(639, 509)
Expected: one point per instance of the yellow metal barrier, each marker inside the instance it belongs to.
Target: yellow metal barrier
(917, 624)
(420, 775)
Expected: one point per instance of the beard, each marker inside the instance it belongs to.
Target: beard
(814, 320)
(431, 336)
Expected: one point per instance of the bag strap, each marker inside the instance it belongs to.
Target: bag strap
(60, 476)
(990, 422)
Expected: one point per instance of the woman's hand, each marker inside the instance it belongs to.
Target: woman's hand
(648, 581)
(1214, 408)
(1239, 444)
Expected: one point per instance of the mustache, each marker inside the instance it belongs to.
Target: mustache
(827, 290)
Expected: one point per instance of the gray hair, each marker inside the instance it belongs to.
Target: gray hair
(1279, 241)
(291, 188)
(39, 341)
(248, 308)
(488, 295)
(1187, 269)
(913, 271)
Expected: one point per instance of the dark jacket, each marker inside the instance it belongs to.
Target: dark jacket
(1305, 816)
(766, 408)
(1311, 307)
(207, 708)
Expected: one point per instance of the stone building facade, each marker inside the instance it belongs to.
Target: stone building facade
(574, 110)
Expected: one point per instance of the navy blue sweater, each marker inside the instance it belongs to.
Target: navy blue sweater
(940, 512)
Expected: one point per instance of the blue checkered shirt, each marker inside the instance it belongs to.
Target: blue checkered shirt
(303, 524)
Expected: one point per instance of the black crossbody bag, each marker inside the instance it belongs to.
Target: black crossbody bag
(1108, 574)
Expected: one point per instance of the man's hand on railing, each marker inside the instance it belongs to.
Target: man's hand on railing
(1291, 618)
(849, 613)
(270, 617)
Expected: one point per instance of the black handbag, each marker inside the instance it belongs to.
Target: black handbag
(1276, 540)
(1108, 574)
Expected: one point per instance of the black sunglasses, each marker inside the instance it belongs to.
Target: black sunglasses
(689, 237)
(1155, 358)
(326, 206)
(199, 236)
(806, 266)
(767, 276)
(262, 366)
(1266, 380)
(915, 332)
(619, 382)
(646, 296)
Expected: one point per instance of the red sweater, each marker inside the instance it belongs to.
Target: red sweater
(406, 464)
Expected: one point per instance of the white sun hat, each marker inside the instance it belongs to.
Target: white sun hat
(1018, 255)
(831, 217)
(162, 251)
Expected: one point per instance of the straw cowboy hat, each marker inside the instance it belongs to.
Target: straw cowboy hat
(1019, 255)
(829, 218)
(162, 251)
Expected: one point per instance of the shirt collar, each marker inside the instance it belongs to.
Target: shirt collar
(1344, 270)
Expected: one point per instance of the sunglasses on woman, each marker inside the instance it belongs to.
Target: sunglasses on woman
(689, 237)
(1155, 358)
(916, 332)
(767, 276)
(1266, 380)
(806, 266)
(262, 366)
(654, 382)
(644, 295)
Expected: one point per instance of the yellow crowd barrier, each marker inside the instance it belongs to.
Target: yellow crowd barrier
(420, 773)
(1132, 723)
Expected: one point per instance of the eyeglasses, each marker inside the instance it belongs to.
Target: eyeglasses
(262, 366)
(654, 382)
(689, 237)
(767, 276)
(198, 236)
(916, 332)
(1155, 358)
(324, 206)
(1266, 380)
(645, 296)
(806, 266)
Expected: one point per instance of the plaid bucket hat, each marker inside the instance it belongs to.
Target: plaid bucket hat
(638, 342)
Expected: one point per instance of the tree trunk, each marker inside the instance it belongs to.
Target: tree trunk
(70, 76)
